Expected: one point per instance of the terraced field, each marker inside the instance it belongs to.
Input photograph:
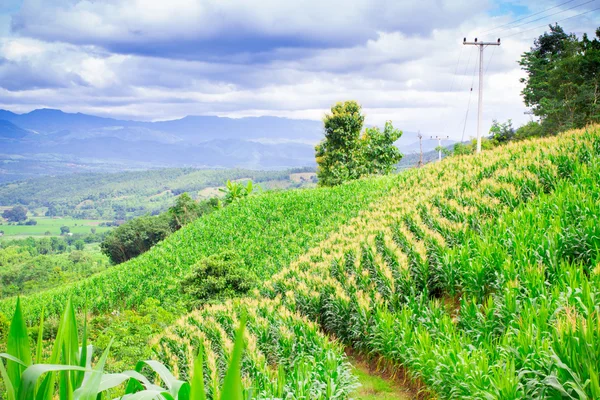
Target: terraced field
(478, 276)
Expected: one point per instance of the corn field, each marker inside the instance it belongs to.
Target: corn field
(286, 355)
(480, 277)
(267, 231)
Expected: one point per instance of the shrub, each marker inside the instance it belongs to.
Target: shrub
(216, 277)
(135, 237)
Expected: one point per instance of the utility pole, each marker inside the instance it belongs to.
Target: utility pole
(420, 150)
(439, 146)
(481, 45)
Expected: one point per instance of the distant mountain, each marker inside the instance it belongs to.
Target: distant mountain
(8, 130)
(60, 141)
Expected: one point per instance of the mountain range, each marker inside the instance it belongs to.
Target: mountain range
(80, 142)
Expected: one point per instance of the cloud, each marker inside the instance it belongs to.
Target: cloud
(161, 60)
(234, 30)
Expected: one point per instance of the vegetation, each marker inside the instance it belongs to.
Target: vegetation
(218, 277)
(484, 286)
(138, 235)
(266, 231)
(123, 195)
(287, 357)
(563, 80)
(15, 214)
(346, 154)
(30, 265)
(309, 366)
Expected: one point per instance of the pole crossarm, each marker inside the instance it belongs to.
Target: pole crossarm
(482, 45)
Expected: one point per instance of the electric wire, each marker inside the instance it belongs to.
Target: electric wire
(546, 16)
(456, 69)
(468, 104)
(528, 16)
(556, 22)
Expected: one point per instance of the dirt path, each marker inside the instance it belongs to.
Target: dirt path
(377, 386)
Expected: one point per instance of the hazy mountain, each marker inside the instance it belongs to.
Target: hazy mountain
(79, 142)
(8, 130)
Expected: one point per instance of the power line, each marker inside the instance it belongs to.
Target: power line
(468, 104)
(529, 16)
(556, 22)
(456, 68)
(490, 60)
(546, 16)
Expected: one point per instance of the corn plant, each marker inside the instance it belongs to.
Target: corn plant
(69, 372)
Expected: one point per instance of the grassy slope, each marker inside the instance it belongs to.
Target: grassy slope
(269, 231)
(477, 276)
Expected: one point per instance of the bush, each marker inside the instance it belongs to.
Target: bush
(135, 237)
(217, 277)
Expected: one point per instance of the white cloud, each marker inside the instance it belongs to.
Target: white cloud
(109, 58)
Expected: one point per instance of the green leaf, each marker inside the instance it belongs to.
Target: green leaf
(10, 390)
(197, 391)
(34, 372)
(40, 340)
(91, 385)
(232, 386)
(17, 346)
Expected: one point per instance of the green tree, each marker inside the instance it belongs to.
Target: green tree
(64, 230)
(563, 80)
(379, 155)
(346, 154)
(502, 132)
(15, 214)
(79, 244)
(184, 211)
(135, 237)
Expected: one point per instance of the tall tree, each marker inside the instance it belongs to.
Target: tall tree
(346, 154)
(563, 79)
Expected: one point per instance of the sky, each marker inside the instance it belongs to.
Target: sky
(404, 61)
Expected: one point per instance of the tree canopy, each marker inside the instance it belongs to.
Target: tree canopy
(562, 86)
(346, 154)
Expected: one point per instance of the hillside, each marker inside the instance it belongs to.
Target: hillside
(477, 276)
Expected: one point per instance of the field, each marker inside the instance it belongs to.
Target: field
(52, 225)
(477, 278)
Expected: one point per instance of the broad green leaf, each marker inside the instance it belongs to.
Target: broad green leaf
(90, 387)
(34, 372)
(18, 346)
(10, 390)
(197, 390)
(232, 385)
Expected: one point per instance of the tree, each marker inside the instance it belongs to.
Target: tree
(79, 244)
(379, 155)
(563, 80)
(338, 155)
(502, 132)
(15, 214)
(135, 237)
(346, 154)
(64, 230)
(184, 211)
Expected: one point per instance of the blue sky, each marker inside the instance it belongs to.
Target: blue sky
(142, 59)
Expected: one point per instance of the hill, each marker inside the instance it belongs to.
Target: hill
(477, 275)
